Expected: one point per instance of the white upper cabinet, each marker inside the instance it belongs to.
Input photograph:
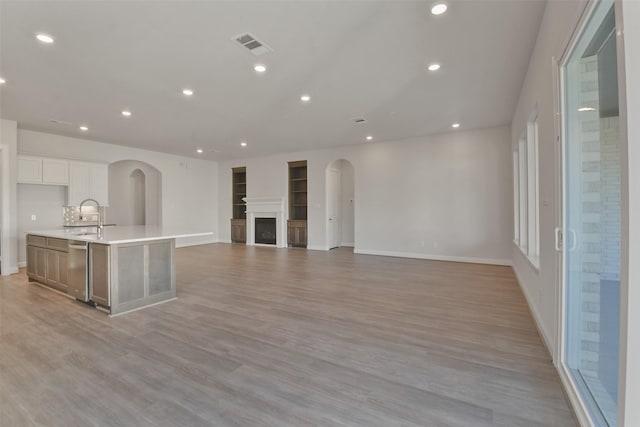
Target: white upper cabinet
(55, 171)
(88, 181)
(29, 170)
(78, 183)
(99, 180)
(40, 170)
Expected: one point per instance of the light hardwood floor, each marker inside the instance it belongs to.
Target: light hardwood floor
(273, 337)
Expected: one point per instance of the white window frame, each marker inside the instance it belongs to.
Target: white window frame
(516, 196)
(526, 191)
(522, 185)
(533, 181)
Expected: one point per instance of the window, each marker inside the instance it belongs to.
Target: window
(526, 200)
(516, 198)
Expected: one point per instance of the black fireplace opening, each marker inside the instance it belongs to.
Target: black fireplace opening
(266, 231)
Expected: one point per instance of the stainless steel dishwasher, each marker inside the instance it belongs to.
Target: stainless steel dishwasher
(78, 270)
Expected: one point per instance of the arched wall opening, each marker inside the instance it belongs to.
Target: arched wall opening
(340, 192)
(135, 193)
(138, 185)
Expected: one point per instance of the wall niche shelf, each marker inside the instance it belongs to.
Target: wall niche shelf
(297, 223)
(239, 216)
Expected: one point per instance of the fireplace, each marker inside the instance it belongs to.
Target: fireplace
(269, 208)
(265, 231)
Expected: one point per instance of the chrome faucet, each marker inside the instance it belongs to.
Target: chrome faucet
(100, 223)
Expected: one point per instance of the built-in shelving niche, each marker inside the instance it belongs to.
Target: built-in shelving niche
(239, 218)
(297, 224)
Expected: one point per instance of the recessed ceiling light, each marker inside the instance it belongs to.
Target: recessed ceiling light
(583, 109)
(84, 128)
(44, 38)
(455, 125)
(369, 137)
(260, 68)
(433, 67)
(305, 98)
(243, 143)
(126, 113)
(2, 81)
(199, 151)
(187, 92)
(439, 8)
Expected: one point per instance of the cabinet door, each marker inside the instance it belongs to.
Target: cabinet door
(63, 269)
(41, 265)
(99, 181)
(238, 230)
(79, 183)
(52, 268)
(302, 236)
(55, 172)
(32, 259)
(297, 233)
(99, 274)
(292, 235)
(29, 170)
(57, 269)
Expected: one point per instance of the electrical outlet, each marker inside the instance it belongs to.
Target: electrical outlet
(33, 217)
(422, 243)
(435, 244)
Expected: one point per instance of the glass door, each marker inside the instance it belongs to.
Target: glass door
(592, 215)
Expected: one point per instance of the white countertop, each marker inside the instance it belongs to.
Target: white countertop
(116, 235)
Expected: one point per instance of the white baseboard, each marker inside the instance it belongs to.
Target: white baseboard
(195, 241)
(10, 270)
(317, 248)
(22, 264)
(577, 405)
(542, 331)
(348, 244)
(473, 260)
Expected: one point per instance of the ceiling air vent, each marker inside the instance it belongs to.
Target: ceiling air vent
(60, 122)
(359, 120)
(254, 46)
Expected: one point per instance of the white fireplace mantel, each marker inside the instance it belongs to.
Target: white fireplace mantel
(266, 207)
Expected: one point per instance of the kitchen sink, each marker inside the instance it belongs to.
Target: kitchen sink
(85, 234)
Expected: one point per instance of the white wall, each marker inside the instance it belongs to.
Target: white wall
(630, 284)
(347, 203)
(541, 286)
(8, 138)
(122, 194)
(43, 201)
(189, 192)
(450, 191)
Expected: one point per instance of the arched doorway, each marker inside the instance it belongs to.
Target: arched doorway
(135, 191)
(340, 191)
(137, 181)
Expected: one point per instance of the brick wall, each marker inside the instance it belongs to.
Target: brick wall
(589, 239)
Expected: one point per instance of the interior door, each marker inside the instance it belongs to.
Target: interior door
(592, 215)
(333, 204)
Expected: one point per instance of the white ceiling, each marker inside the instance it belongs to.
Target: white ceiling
(355, 58)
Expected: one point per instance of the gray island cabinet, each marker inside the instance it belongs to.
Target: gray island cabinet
(126, 276)
(125, 268)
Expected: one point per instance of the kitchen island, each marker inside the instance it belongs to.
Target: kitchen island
(118, 268)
